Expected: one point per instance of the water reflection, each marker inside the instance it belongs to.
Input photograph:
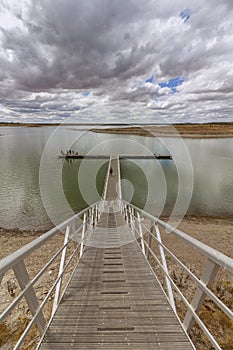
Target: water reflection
(148, 183)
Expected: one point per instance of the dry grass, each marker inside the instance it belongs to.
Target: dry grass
(9, 334)
(185, 130)
(219, 325)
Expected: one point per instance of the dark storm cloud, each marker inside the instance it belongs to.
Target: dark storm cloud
(52, 51)
(73, 44)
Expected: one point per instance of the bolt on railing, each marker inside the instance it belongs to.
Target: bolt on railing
(215, 260)
(76, 230)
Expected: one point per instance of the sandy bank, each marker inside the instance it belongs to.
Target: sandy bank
(214, 231)
(211, 130)
(205, 130)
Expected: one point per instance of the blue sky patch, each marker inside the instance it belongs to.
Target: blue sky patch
(150, 80)
(86, 93)
(185, 15)
(172, 84)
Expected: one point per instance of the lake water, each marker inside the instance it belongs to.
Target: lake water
(37, 188)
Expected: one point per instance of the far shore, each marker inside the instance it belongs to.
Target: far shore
(188, 130)
(209, 130)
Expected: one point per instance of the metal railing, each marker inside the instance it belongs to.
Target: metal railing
(146, 225)
(104, 194)
(147, 229)
(76, 230)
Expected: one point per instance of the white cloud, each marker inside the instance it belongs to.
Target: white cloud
(51, 52)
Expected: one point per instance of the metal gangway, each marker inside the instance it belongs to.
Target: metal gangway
(112, 298)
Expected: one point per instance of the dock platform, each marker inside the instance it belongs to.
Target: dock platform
(122, 156)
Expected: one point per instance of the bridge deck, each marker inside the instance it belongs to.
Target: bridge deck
(114, 300)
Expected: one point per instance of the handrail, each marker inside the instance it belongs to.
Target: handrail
(16, 262)
(119, 179)
(197, 318)
(12, 259)
(215, 260)
(106, 180)
(33, 281)
(20, 341)
(219, 258)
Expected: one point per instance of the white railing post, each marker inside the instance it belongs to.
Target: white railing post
(122, 208)
(74, 234)
(99, 211)
(125, 211)
(89, 216)
(132, 220)
(83, 234)
(140, 233)
(106, 180)
(30, 296)
(207, 278)
(127, 216)
(164, 263)
(72, 228)
(101, 208)
(92, 218)
(119, 179)
(96, 214)
(149, 240)
(62, 263)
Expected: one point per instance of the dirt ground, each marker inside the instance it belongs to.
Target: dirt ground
(215, 232)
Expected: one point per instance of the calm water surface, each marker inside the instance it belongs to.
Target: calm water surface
(36, 187)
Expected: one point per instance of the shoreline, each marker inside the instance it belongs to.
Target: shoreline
(223, 225)
(186, 218)
(209, 130)
(186, 130)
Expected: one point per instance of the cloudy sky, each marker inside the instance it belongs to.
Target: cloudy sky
(116, 60)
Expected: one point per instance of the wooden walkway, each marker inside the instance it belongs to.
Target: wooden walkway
(114, 300)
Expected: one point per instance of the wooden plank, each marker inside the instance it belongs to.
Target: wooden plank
(97, 324)
(114, 337)
(112, 346)
(114, 300)
(115, 320)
